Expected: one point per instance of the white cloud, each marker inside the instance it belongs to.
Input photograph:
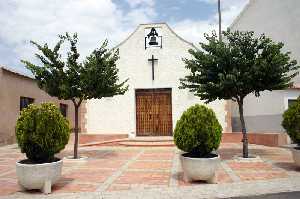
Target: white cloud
(135, 3)
(93, 20)
(193, 30)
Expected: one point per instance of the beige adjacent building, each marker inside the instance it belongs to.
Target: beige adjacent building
(17, 90)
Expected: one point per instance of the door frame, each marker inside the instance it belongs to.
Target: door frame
(168, 89)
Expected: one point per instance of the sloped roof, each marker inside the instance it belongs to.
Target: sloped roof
(240, 15)
(154, 24)
(16, 72)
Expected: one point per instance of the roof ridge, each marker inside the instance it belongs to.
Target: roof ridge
(17, 72)
(149, 24)
(236, 19)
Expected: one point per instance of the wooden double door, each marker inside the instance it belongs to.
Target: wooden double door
(153, 112)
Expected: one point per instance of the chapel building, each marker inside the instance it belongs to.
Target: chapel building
(151, 57)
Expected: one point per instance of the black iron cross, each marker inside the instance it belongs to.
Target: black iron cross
(152, 60)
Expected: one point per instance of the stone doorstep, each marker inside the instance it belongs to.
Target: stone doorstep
(88, 138)
(267, 139)
(160, 141)
(102, 142)
(131, 143)
(151, 138)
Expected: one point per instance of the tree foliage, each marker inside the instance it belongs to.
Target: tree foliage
(95, 77)
(291, 121)
(240, 65)
(71, 79)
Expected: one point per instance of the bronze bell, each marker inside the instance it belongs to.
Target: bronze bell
(153, 41)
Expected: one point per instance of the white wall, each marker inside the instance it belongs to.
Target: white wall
(269, 103)
(117, 114)
(279, 20)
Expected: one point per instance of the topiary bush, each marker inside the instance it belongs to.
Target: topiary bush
(198, 131)
(291, 121)
(41, 132)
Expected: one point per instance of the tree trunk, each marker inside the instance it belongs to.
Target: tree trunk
(76, 132)
(245, 137)
(220, 20)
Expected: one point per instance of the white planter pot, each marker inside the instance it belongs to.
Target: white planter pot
(38, 176)
(200, 168)
(296, 156)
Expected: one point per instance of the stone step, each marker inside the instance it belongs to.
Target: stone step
(147, 143)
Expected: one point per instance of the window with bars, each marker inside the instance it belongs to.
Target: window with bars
(63, 109)
(25, 101)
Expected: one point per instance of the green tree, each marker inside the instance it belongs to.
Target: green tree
(69, 79)
(233, 69)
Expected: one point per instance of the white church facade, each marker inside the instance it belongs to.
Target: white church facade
(151, 58)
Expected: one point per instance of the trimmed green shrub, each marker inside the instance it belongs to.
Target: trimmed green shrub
(291, 121)
(198, 131)
(41, 132)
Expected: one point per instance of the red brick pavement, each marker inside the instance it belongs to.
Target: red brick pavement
(151, 165)
(144, 177)
(222, 177)
(88, 175)
(67, 187)
(125, 168)
(8, 186)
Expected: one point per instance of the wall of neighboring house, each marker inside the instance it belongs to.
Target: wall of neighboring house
(12, 87)
(279, 20)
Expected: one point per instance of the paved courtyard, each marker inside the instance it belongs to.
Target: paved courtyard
(123, 170)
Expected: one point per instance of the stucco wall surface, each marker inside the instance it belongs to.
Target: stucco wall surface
(12, 87)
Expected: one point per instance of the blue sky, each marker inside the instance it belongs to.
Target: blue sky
(96, 20)
(172, 10)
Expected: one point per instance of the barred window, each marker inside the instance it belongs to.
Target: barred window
(25, 101)
(63, 109)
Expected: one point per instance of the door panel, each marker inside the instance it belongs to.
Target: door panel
(154, 112)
